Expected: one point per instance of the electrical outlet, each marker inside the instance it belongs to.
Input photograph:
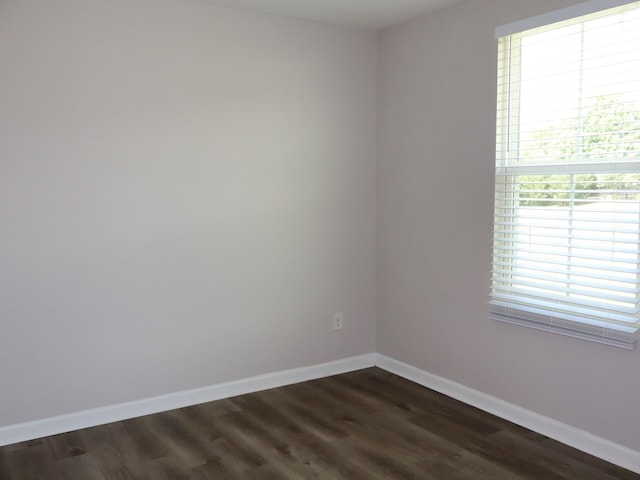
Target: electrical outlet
(338, 321)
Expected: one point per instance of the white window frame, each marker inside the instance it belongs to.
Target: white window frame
(511, 312)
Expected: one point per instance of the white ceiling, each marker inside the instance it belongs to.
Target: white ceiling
(372, 14)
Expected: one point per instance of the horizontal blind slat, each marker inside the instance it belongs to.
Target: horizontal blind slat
(623, 281)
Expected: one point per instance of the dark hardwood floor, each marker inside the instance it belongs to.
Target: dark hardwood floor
(364, 425)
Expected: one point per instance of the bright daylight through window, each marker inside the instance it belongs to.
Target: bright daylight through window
(567, 203)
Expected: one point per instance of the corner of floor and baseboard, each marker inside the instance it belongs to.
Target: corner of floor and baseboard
(579, 439)
(574, 437)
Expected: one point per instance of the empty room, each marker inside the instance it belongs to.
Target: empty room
(319, 239)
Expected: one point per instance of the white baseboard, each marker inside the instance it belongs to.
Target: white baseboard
(113, 413)
(574, 437)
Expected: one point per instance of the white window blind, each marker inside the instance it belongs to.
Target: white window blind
(566, 252)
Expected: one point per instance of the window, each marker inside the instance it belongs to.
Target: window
(566, 255)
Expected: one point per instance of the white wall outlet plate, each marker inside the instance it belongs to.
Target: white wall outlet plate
(338, 321)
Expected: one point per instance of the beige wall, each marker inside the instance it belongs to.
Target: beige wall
(187, 194)
(437, 89)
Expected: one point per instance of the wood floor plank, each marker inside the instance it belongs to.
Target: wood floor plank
(116, 451)
(364, 425)
(423, 450)
(327, 460)
(230, 458)
(79, 467)
(66, 445)
(274, 449)
(213, 470)
(29, 460)
(527, 466)
(567, 466)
